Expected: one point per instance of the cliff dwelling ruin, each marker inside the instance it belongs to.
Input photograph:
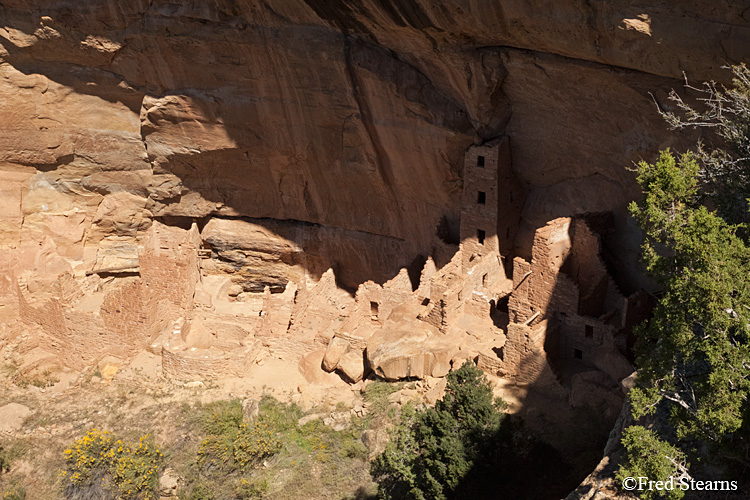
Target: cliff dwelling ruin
(213, 300)
(207, 200)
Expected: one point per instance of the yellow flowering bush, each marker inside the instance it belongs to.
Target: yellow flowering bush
(88, 456)
(14, 492)
(135, 470)
(221, 427)
(97, 464)
(253, 443)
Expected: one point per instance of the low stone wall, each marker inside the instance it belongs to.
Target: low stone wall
(203, 364)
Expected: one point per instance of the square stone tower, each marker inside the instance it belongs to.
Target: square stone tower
(491, 204)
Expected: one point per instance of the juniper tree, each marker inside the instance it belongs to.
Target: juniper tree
(693, 355)
(433, 450)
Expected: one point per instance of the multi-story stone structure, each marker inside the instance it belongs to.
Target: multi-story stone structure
(492, 202)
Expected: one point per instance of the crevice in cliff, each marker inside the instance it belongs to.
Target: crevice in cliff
(382, 160)
(142, 134)
(591, 17)
(576, 60)
(184, 221)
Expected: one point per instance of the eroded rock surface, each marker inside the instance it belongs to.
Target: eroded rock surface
(320, 112)
(227, 183)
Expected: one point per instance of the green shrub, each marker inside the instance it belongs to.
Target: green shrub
(650, 457)
(433, 450)
(200, 489)
(281, 417)
(376, 396)
(254, 442)
(221, 422)
(229, 454)
(248, 489)
(232, 444)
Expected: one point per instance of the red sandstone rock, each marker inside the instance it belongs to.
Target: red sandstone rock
(335, 351)
(352, 366)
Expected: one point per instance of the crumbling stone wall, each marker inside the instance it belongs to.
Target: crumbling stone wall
(375, 303)
(582, 335)
(523, 358)
(276, 314)
(464, 286)
(484, 282)
(585, 266)
(78, 338)
(566, 273)
(203, 364)
(568, 281)
(169, 263)
(124, 323)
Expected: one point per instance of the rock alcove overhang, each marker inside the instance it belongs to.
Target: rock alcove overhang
(353, 117)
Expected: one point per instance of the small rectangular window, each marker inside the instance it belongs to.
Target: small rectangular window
(577, 354)
(374, 308)
(480, 161)
(480, 236)
(481, 197)
(484, 279)
(589, 332)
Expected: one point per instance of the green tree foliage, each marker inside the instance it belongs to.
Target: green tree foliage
(650, 457)
(725, 160)
(695, 351)
(433, 450)
(693, 355)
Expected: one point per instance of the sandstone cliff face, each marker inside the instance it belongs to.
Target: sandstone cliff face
(353, 115)
(165, 166)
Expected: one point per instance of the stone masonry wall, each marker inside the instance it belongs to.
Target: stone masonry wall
(479, 204)
(539, 286)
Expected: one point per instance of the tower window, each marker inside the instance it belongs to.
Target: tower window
(577, 354)
(374, 308)
(589, 330)
(480, 161)
(484, 280)
(480, 236)
(481, 197)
